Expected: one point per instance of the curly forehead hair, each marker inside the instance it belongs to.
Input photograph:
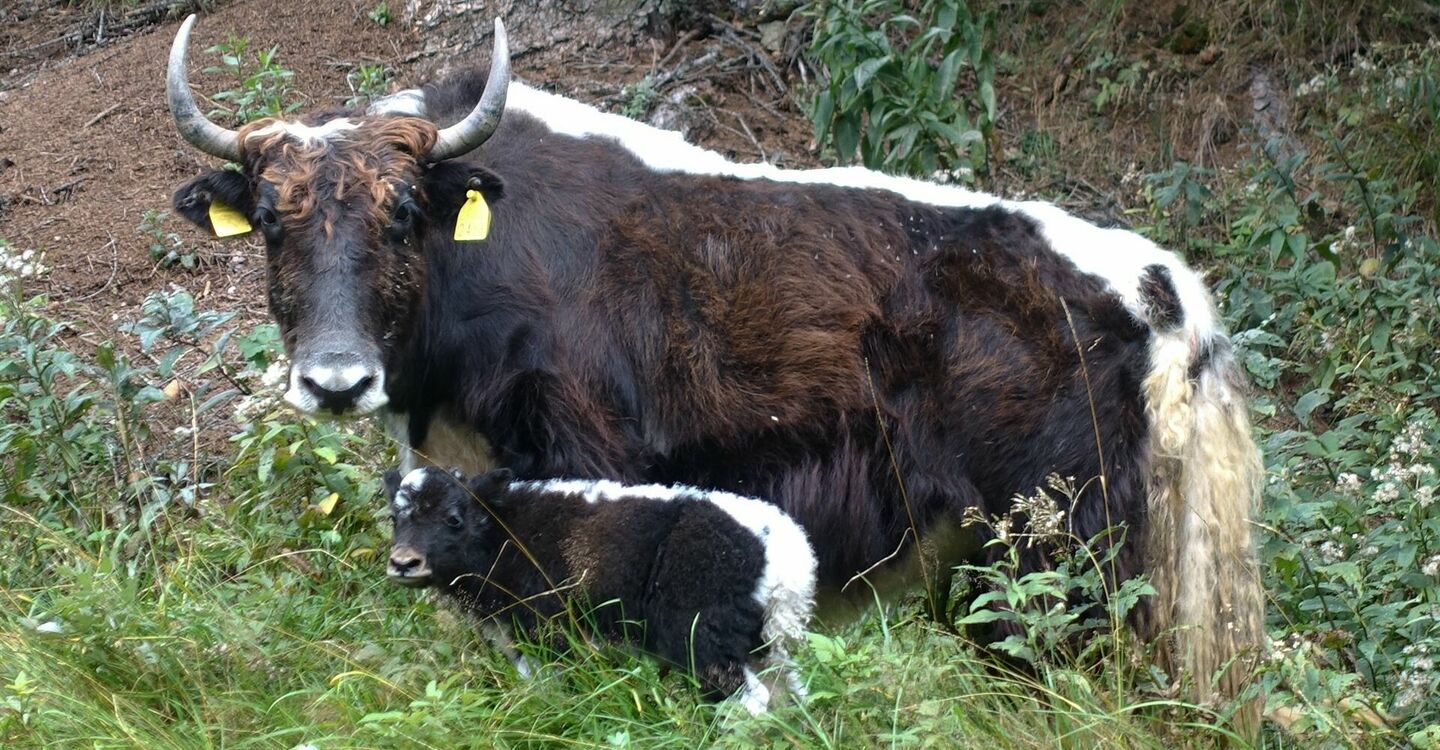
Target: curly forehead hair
(349, 171)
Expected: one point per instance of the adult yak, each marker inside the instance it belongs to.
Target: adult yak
(875, 355)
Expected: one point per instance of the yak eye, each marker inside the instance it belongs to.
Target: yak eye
(453, 520)
(402, 221)
(269, 222)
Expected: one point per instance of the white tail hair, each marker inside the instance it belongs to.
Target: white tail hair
(1205, 483)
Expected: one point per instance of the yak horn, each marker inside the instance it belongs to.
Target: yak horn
(193, 125)
(464, 136)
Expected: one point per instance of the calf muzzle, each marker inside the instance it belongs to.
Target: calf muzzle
(408, 567)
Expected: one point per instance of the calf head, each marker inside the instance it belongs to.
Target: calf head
(443, 524)
(343, 201)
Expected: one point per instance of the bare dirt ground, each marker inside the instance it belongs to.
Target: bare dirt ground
(87, 145)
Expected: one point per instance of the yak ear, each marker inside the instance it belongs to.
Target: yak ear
(491, 485)
(447, 182)
(392, 484)
(221, 188)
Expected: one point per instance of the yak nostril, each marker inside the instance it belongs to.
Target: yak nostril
(404, 565)
(335, 389)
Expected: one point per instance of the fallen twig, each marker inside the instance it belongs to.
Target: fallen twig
(114, 269)
(685, 68)
(681, 42)
(103, 114)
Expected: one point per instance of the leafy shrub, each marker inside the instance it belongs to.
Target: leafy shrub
(367, 82)
(890, 85)
(166, 247)
(380, 14)
(1054, 610)
(638, 98)
(262, 87)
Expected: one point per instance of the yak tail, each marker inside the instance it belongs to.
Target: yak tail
(1205, 483)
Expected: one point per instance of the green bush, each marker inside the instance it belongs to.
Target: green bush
(261, 87)
(890, 86)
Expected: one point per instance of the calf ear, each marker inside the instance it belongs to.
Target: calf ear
(392, 484)
(223, 187)
(491, 485)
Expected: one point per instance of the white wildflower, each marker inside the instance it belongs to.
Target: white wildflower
(275, 374)
(1410, 442)
(1043, 517)
(1332, 552)
(1387, 492)
(19, 266)
(1431, 567)
(1348, 483)
(1425, 495)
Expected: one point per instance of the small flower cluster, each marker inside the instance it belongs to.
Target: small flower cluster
(264, 399)
(17, 266)
(1418, 679)
(1043, 517)
(1410, 443)
(957, 176)
(1406, 467)
(1431, 567)
(1281, 649)
(1315, 85)
(1346, 242)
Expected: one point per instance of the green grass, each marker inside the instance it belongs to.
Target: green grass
(175, 651)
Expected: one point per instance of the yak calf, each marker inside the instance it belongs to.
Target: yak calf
(713, 582)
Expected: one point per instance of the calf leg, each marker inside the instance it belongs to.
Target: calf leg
(499, 637)
(722, 679)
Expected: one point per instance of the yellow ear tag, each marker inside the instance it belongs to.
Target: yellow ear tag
(226, 221)
(473, 223)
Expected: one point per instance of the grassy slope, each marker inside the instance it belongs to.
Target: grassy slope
(133, 615)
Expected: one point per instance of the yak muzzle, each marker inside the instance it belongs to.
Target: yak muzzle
(408, 567)
(336, 382)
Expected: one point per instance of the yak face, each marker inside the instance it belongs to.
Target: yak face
(343, 204)
(443, 526)
(344, 207)
(339, 207)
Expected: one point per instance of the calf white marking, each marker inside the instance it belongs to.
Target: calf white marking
(595, 490)
(309, 134)
(755, 696)
(499, 637)
(414, 481)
